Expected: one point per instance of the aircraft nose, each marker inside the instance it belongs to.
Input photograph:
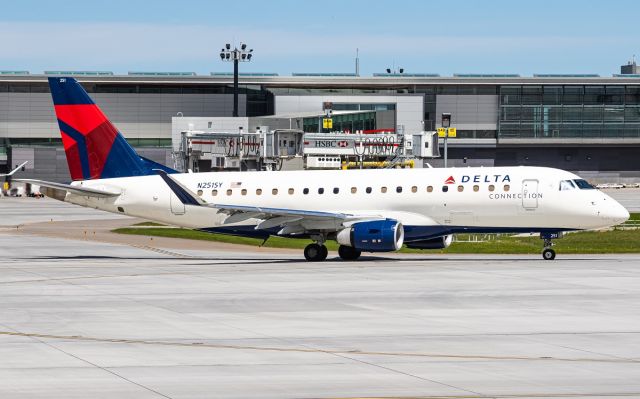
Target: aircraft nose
(615, 213)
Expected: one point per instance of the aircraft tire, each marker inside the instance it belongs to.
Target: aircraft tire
(325, 252)
(348, 253)
(548, 254)
(315, 252)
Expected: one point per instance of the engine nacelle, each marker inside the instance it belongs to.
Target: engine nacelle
(374, 236)
(433, 243)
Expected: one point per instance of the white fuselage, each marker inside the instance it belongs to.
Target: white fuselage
(500, 198)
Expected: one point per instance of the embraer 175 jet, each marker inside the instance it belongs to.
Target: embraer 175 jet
(363, 210)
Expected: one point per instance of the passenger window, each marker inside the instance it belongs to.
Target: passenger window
(399, 189)
(321, 190)
(507, 187)
(491, 187)
(258, 191)
(383, 190)
(229, 191)
(274, 191)
(476, 188)
(445, 189)
(414, 189)
(200, 193)
(290, 191)
(244, 191)
(336, 190)
(460, 188)
(354, 190)
(368, 190)
(305, 191)
(429, 189)
(214, 192)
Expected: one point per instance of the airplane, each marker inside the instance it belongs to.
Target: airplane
(377, 210)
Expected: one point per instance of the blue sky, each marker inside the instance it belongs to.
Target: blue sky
(444, 37)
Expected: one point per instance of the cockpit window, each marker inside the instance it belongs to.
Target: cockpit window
(567, 185)
(583, 184)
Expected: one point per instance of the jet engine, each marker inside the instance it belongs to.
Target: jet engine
(433, 243)
(373, 236)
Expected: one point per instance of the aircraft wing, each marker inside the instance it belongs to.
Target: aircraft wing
(78, 190)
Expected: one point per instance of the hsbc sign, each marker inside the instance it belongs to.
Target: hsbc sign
(329, 144)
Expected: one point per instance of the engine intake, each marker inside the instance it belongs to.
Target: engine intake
(374, 236)
(433, 243)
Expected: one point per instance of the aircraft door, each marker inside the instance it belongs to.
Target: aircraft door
(530, 194)
(177, 207)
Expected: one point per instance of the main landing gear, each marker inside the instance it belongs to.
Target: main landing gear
(547, 252)
(315, 252)
(348, 253)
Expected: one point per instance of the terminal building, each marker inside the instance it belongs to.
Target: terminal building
(585, 123)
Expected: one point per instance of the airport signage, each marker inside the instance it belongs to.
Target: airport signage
(447, 132)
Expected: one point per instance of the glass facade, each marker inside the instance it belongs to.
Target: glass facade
(570, 111)
(343, 122)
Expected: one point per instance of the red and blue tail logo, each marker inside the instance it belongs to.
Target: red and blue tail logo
(94, 147)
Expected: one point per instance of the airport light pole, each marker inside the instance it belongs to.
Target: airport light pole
(446, 123)
(236, 55)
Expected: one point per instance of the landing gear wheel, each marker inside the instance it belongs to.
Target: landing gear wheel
(315, 252)
(324, 252)
(548, 254)
(348, 253)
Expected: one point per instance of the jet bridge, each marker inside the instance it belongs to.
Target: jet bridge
(336, 150)
(267, 149)
(260, 150)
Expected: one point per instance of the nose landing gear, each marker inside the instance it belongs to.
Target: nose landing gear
(547, 252)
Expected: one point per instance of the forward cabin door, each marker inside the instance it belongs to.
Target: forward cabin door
(530, 194)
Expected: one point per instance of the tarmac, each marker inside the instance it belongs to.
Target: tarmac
(85, 313)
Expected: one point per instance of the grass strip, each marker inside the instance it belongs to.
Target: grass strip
(588, 242)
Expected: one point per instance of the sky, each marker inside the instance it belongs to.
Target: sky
(444, 37)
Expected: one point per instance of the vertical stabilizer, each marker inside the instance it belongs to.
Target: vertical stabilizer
(95, 149)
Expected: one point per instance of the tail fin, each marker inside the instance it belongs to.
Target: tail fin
(94, 147)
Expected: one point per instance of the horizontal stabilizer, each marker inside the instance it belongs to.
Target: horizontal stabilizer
(15, 170)
(77, 190)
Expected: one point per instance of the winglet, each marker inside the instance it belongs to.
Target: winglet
(15, 170)
(185, 195)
